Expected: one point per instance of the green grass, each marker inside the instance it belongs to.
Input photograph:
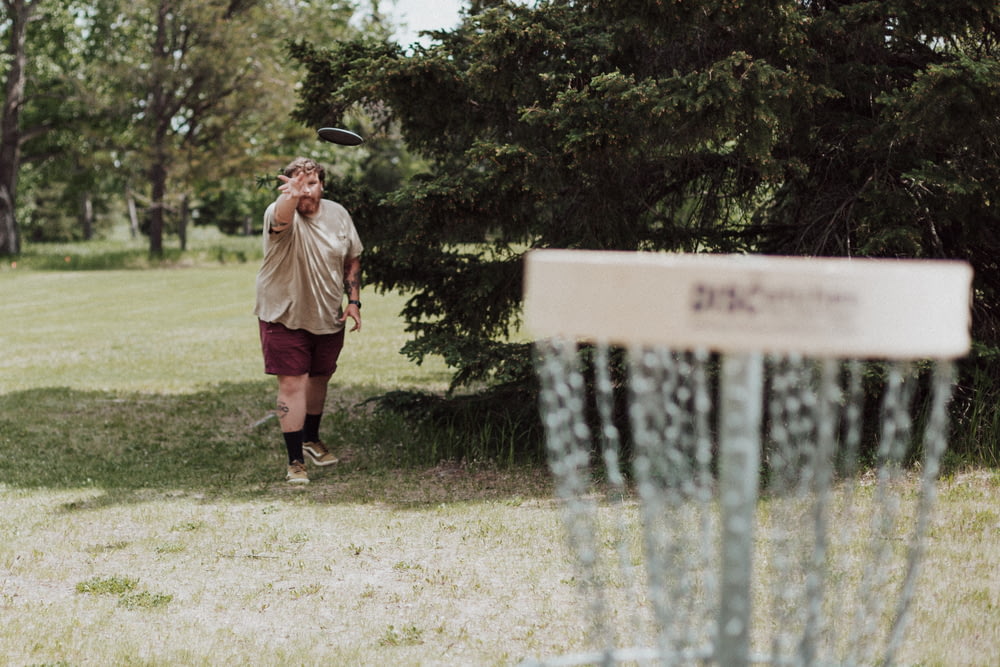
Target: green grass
(120, 251)
(150, 378)
(166, 331)
(148, 345)
(146, 521)
(108, 585)
(133, 411)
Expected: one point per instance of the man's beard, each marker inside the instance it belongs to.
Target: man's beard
(308, 206)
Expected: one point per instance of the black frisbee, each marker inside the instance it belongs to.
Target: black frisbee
(335, 135)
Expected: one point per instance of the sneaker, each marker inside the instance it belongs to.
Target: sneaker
(297, 473)
(319, 454)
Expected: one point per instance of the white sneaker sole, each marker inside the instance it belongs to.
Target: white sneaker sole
(316, 459)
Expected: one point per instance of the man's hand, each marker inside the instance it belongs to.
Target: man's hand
(301, 193)
(294, 186)
(352, 311)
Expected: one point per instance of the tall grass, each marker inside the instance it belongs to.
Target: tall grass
(976, 435)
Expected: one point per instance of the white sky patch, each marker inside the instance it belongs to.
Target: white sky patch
(412, 16)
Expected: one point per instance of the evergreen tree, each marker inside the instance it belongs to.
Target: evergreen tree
(861, 128)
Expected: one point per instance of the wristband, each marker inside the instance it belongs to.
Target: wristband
(354, 302)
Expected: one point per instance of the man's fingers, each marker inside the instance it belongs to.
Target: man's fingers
(357, 321)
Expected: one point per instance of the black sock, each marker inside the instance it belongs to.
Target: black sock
(310, 433)
(293, 443)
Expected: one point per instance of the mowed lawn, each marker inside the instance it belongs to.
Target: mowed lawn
(169, 331)
(145, 520)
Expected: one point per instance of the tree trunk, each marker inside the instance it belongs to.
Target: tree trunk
(133, 216)
(87, 216)
(10, 241)
(182, 222)
(10, 119)
(160, 118)
(158, 178)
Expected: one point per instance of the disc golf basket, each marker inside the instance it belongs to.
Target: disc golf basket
(733, 494)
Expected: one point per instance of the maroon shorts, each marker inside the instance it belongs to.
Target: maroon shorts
(297, 351)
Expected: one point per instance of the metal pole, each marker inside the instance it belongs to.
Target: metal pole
(740, 404)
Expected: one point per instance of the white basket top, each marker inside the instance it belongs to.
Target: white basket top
(851, 308)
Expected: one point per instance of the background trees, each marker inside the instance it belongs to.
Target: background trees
(160, 101)
(17, 15)
(820, 128)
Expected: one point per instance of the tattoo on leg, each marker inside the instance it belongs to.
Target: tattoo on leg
(282, 410)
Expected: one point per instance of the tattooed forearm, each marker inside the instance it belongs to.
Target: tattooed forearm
(352, 279)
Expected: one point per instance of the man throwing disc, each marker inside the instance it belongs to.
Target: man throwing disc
(312, 260)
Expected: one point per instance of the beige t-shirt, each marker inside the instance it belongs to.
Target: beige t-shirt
(301, 281)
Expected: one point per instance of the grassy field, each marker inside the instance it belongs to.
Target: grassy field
(146, 521)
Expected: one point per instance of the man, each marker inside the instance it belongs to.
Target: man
(311, 261)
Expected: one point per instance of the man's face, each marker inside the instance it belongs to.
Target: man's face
(311, 192)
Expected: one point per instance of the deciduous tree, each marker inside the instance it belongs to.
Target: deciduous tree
(14, 27)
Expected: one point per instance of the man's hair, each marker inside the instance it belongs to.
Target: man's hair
(307, 165)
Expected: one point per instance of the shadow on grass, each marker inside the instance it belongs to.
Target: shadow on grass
(217, 442)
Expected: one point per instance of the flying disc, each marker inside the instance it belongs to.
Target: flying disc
(336, 135)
